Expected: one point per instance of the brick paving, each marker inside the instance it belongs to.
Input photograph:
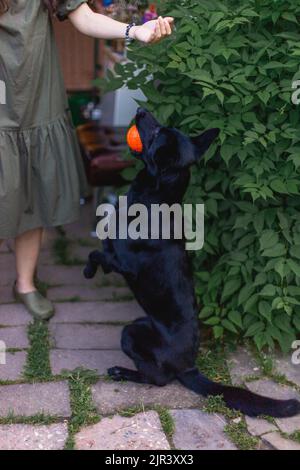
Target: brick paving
(73, 336)
(111, 397)
(98, 360)
(96, 312)
(29, 437)
(86, 293)
(13, 369)
(13, 315)
(140, 432)
(196, 430)
(51, 399)
(85, 334)
(14, 337)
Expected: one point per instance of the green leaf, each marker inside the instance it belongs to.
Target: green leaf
(295, 251)
(257, 327)
(245, 293)
(296, 322)
(278, 303)
(206, 312)
(279, 186)
(251, 302)
(286, 340)
(268, 239)
(227, 152)
(290, 17)
(236, 318)
(293, 290)
(276, 251)
(215, 18)
(295, 267)
(231, 287)
(212, 321)
(280, 267)
(268, 291)
(283, 323)
(229, 326)
(218, 331)
(260, 279)
(260, 340)
(265, 310)
(274, 332)
(202, 275)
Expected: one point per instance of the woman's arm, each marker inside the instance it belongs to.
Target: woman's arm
(100, 26)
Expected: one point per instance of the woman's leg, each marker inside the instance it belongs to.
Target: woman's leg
(28, 246)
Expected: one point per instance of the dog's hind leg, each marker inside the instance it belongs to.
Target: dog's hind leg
(138, 342)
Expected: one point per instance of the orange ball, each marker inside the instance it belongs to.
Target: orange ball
(134, 140)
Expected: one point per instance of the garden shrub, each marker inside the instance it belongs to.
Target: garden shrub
(231, 65)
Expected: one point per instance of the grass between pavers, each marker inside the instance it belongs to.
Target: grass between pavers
(268, 368)
(119, 298)
(38, 362)
(41, 286)
(236, 428)
(84, 412)
(166, 420)
(238, 434)
(38, 419)
(167, 423)
(216, 404)
(212, 362)
(295, 436)
(61, 252)
(38, 369)
(106, 282)
(86, 243)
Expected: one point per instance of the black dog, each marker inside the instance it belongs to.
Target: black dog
(164, 345)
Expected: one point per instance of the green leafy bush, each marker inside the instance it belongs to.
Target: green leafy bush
(231, 65)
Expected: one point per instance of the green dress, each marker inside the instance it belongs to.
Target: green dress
(41, 171)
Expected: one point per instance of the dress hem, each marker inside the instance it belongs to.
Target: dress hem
(42, 226)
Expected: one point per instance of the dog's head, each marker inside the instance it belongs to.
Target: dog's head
(167, 150)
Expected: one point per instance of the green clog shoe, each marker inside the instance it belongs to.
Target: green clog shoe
(37, 305)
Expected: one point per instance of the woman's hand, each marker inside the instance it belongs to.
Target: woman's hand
(153, 31)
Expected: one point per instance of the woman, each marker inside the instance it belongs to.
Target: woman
(40, 166)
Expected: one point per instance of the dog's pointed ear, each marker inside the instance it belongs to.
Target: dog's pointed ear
(204, 141)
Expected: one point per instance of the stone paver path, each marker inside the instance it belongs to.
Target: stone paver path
(28, 437)
(196, 430)
(140, 432)
(51, 399)
(41, 403)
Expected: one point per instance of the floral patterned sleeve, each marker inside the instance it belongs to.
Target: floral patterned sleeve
(65, 7)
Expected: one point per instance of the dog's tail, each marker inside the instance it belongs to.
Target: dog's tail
(239, 399)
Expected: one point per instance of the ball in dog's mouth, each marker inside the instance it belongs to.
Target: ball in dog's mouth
(134, 140)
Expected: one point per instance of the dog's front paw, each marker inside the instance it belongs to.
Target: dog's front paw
(116, 373)
(89, 272)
